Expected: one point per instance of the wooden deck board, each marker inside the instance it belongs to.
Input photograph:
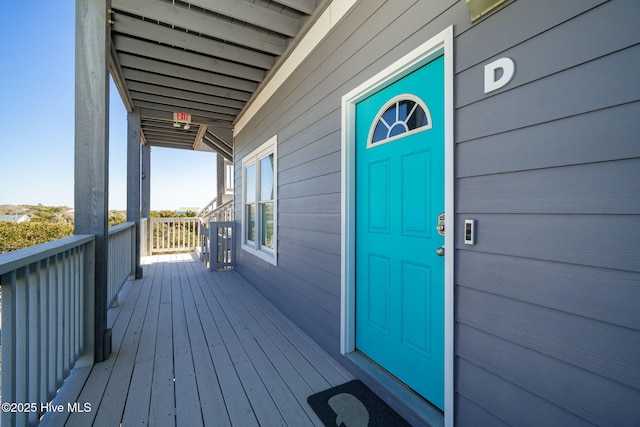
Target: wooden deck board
(142, 376)
(191, 348)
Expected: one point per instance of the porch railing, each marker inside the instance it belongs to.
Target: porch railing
(144, 237)
(122, 243)
(174, 234)
(47, 322)
(218, 249)
(223, 212)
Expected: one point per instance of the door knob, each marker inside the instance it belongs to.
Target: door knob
(440, 251)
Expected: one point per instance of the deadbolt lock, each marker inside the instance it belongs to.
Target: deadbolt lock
(440, 226)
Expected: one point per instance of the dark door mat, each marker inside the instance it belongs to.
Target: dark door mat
(353, 405)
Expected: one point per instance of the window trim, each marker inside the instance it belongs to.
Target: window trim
(253, 158)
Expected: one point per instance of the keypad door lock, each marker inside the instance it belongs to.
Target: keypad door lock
(440, 226)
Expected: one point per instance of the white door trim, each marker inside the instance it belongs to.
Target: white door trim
(436, 46)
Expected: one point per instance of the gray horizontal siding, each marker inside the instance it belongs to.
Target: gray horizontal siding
(319, 185)
(581, 394)
(581, 39)
(597, 347)
(575, 91)
(475, 415)
(496, 394)
(499, 33)
(548, 329)
(549, 166)
(590, 292)
(591, 240)
(595, 188)
(603, 135)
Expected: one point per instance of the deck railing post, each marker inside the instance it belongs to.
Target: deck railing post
(88, 324)
(213, 246)
(8, 343)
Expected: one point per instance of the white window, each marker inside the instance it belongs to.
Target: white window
(259, 202)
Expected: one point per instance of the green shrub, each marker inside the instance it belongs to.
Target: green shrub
(15, 236)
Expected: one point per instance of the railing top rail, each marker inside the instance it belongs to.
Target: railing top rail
(177, 218)
(120, 227)
(220, 208)
(208, 207)
(224, 205)
(222, 223)
(23, 257)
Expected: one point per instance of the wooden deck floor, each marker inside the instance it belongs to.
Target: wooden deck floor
(192, 347)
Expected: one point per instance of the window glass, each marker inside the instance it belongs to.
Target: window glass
(389, 116)
(399, 116)
(266, 178)
(266, 238)
(251, 183)
(380, 132)
(251, 222)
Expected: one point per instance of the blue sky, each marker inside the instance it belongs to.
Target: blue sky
(36, 120)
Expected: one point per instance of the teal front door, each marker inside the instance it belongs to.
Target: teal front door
(399, 198)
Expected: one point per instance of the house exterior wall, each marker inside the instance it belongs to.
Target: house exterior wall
(547, 328)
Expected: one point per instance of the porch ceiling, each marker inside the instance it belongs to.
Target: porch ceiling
(203, 57)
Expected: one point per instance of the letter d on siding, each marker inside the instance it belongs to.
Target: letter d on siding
(492, 83)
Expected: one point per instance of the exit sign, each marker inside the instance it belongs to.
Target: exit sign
(182, 117)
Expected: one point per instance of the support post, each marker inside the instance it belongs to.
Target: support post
(146, 196)
(133, 185)
(92, 149)
(219, 180)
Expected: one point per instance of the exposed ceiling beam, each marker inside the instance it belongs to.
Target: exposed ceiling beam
(252, 14)
(204, 24)
(183, 104)
(155, 138)
(169, 144)
(191, 86)
(199, 136)
(217, 148)
(118, 79)
(151, 65)
(168, 128)
(172, 109)
(227, 145)
(304, 6)
(173, 37)
(164, 116)
(188, 59)
(185, 95)
(176, 136)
